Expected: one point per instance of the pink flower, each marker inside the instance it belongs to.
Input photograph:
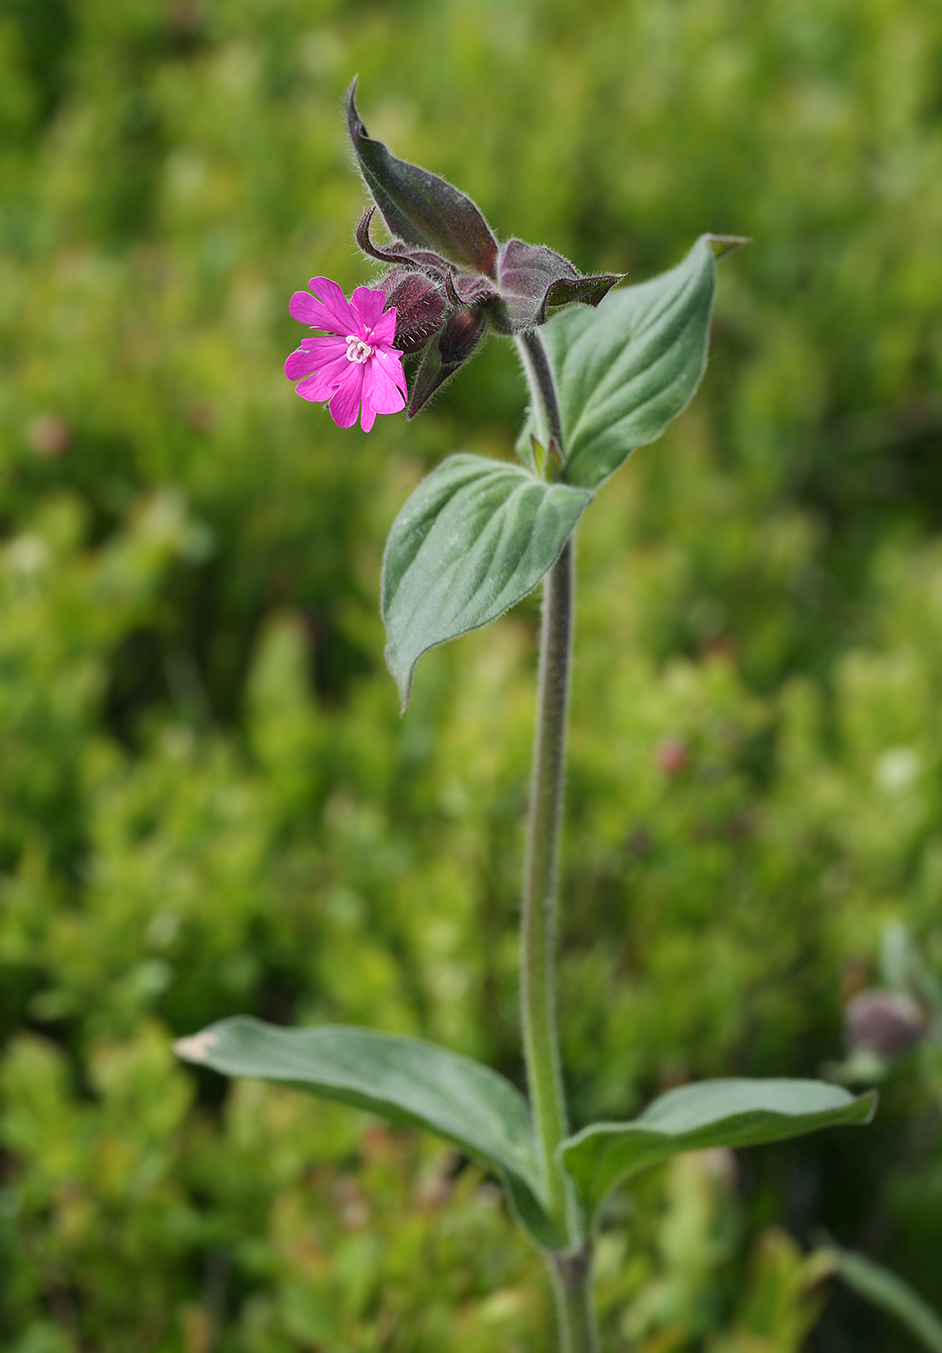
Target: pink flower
(354, 366)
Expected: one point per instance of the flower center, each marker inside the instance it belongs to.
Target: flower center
(357, 350)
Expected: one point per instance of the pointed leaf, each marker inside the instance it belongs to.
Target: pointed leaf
(711, 1113)
(475, 537)
(884, 1289)
(404, 1080)
(625, 370)
(420, 207)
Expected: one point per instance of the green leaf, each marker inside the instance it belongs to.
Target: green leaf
(404, 1080)
(881, 1287)
(474, 537)
(711, 1113)
(625, 370)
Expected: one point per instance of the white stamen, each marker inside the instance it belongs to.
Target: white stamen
(357, 350)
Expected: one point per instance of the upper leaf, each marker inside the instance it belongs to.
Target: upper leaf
(711, 1113)
(625, 370)
(474, 537)
(420, 207)
(404, 1080)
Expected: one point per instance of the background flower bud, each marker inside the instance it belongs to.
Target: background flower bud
(886, 1022)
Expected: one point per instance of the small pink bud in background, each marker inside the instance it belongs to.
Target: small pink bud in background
(48, 435)
(886, 1022)
(672, 756)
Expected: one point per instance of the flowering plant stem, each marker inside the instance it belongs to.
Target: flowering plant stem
(476, 536)
(571, 1270)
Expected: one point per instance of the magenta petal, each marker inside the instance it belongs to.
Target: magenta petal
(345, 403)
(368, 305)
(381, 391)
(326, 348)
(325, 380)
(367, 417)
(299, 364)
(334, 303)
(331, 312)
(391, 363)
(384, 330)
(307, 310)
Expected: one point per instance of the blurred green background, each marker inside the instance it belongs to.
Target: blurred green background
(208, 801)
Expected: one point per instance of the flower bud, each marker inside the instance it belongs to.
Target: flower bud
(420, 308)
(886, 1022)
(462, 332)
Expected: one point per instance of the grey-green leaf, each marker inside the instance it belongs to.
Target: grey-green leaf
(474, 537)
(711, 1113)
(404, 1080)
(625, 370)
(878, 1285)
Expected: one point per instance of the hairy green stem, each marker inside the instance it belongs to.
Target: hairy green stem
(539, 373)
(537, 965)
(571, 1269)
(571, 1282)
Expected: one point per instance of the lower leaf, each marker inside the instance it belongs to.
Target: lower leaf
(404, 1080)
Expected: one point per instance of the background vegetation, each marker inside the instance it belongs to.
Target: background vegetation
(208, 802)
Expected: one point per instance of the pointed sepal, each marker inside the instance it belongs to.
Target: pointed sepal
(533, 280)
(418, 207)
(460, 335)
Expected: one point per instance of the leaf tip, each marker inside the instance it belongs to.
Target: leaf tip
(727, 244)
(196, 1048)
(402, 678)
(872, 1100)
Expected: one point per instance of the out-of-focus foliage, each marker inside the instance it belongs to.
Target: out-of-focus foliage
(208, 802)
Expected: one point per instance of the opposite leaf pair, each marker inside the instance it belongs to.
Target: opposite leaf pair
(406, 1080)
